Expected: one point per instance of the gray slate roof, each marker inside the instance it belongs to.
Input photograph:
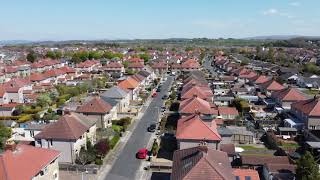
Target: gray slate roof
(109, 100)
(115, 92)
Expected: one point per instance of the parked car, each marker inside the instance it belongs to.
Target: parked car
(159, 89)
(142, 153)
(154, 94)
(152, 128)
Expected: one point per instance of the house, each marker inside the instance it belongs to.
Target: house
(196, 104)
(192, 131)
(202, 163)
(279, 171)
(136, 66)
(12, 91)
(245, 174)
(257, 80)
(159, 67)
(99, 110)
(28, 162)
(148, 76)
(203, 92)
(240, 135)
(270, 86)
(308, 111)
(114, 67)
(288, 96)
(68, 135)
(120, 95)
(130, 85)
(199, 163)
(190, 65)
(307, 82)
(228, 112)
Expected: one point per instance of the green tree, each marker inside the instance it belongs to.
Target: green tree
(5, 133)
(125, 64)
(307, 168)
(44, 100)
(31, 57)
(145, 57)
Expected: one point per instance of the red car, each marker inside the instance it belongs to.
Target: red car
(154, 94)
(142, 153)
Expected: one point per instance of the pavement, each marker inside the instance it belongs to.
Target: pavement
(126, 166)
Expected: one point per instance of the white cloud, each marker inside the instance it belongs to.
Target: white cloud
(271, 12)
(295, 4)
(275, 12)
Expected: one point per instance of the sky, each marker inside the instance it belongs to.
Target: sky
(156, 19)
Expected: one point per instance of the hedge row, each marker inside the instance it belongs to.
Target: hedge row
(114, 141)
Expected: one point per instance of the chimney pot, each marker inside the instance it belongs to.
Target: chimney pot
(10, 146)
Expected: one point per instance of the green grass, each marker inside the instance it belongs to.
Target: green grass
(290, 145)
(311, 92)
(247, 147)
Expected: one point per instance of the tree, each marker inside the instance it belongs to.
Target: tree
(125, 64)
(31, 57)
(5, 133)
(145, 57)
(307, 168)
(44, 100)
(85, 157)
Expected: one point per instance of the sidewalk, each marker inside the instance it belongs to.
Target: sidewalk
(114, 153)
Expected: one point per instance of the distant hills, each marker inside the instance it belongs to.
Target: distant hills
(281, 37)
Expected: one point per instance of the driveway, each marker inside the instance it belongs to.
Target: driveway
(126, 166)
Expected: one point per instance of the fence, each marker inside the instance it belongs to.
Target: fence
(89, 169)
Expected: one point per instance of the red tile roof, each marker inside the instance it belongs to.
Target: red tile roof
(201, 163)
(259, 79)
(243, 173)
(201, 92)
(192, 127)
(114, 65)
(189, 106)
(227, 110)
(272, 85)
(96, 105)
(25, 162)
(129, 83)
(289, 94)
(310, 107)
(136, 65)
(37, 77)
(190, 63)
(68, 127)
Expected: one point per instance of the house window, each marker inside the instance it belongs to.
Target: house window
(237, 178)
(51, 142)
(247, 178)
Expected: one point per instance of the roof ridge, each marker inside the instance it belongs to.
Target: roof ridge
(213, 167)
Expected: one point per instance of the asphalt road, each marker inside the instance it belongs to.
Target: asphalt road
(207, 65)
(126, 166)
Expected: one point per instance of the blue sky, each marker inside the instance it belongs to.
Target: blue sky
(117, 19)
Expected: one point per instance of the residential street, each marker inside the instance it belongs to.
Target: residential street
(126, 166)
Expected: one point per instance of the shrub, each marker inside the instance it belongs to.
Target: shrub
(98, 162)
(155, 148)
(114, 141)
(102, 148)
(25, 118)
(9, 117)
(117, 128)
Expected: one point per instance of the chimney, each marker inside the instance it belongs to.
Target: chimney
(197, 112)
(203, 147)
(193, 84)
(195, 95)
(10, 146)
